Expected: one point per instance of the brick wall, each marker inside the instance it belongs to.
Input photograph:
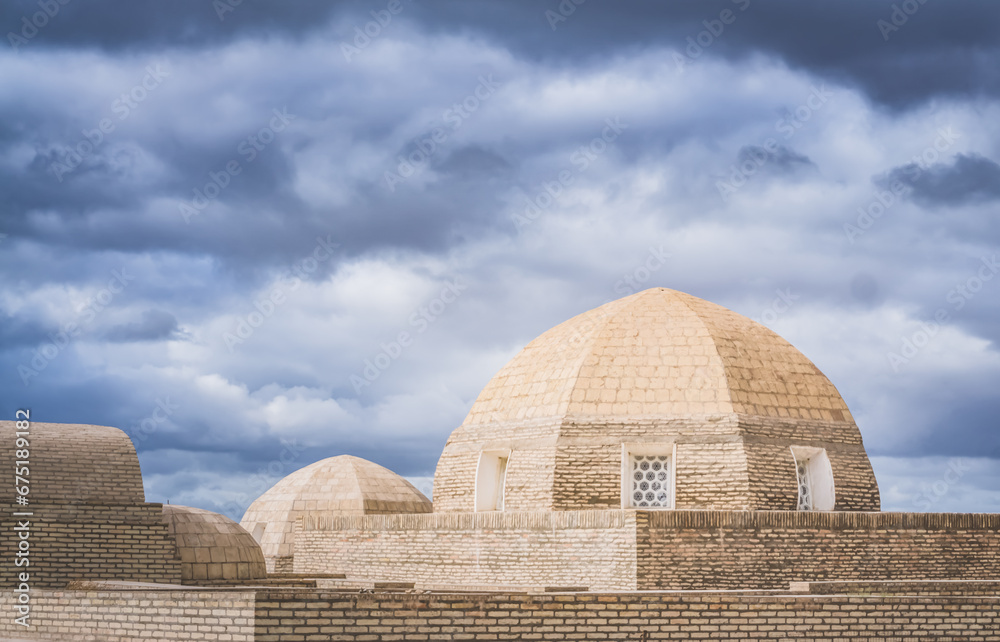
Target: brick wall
(592, 549)
(655, 550)
(81, 542)
(297, 616)
(742, 550)
(300, 615)
(124, 616)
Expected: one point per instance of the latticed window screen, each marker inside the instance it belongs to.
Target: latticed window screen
(805, 490)
(651, 481)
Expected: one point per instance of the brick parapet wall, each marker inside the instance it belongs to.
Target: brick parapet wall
(298, 616)
(655, 550)
(301, 615)
(767, 550)
(124, 616)
(86, 542)
(864, 587)
(590, 549)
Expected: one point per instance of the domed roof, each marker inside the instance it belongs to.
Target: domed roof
(77, 464)
(658, 352)
(343, 485)
(212, 547)
(726, 401)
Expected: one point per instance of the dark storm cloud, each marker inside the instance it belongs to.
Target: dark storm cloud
(147, 23)
(969, 178)
(899, 53)
(939, 49)
(19, 332)
(782, 159)
(154, 325)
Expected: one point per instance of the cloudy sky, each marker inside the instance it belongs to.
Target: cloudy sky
(217, 218)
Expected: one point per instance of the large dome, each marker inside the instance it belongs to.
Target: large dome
(664, 370)
(343, 485)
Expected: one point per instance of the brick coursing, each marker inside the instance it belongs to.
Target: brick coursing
(732, 550)
(593, 549)
(125, 616)
(723, 462)
(75, 463)
(301, 615)
(77, 542)
(654, 550)
(297, 616)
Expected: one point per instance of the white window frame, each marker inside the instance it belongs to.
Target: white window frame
(820, 477)
(491, 480)
(630, 450)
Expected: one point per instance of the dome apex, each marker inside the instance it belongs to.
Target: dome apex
(658, 352)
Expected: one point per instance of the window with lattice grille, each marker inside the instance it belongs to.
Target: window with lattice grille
(805, 490)
(815, 478)
(651, 481)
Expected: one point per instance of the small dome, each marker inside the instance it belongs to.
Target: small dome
(343, 485)
(76, 464)
(212, 547)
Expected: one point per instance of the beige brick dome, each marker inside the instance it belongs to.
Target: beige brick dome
(212, 548)
(661, 369)
(343, 485)
(658, 352)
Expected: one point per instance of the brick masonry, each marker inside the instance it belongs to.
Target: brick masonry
(593, 549)
(723, 462)
(767, 550)
(651, 550)
(75, 463)
(80, 542)
(128, 615)
(274, 615)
